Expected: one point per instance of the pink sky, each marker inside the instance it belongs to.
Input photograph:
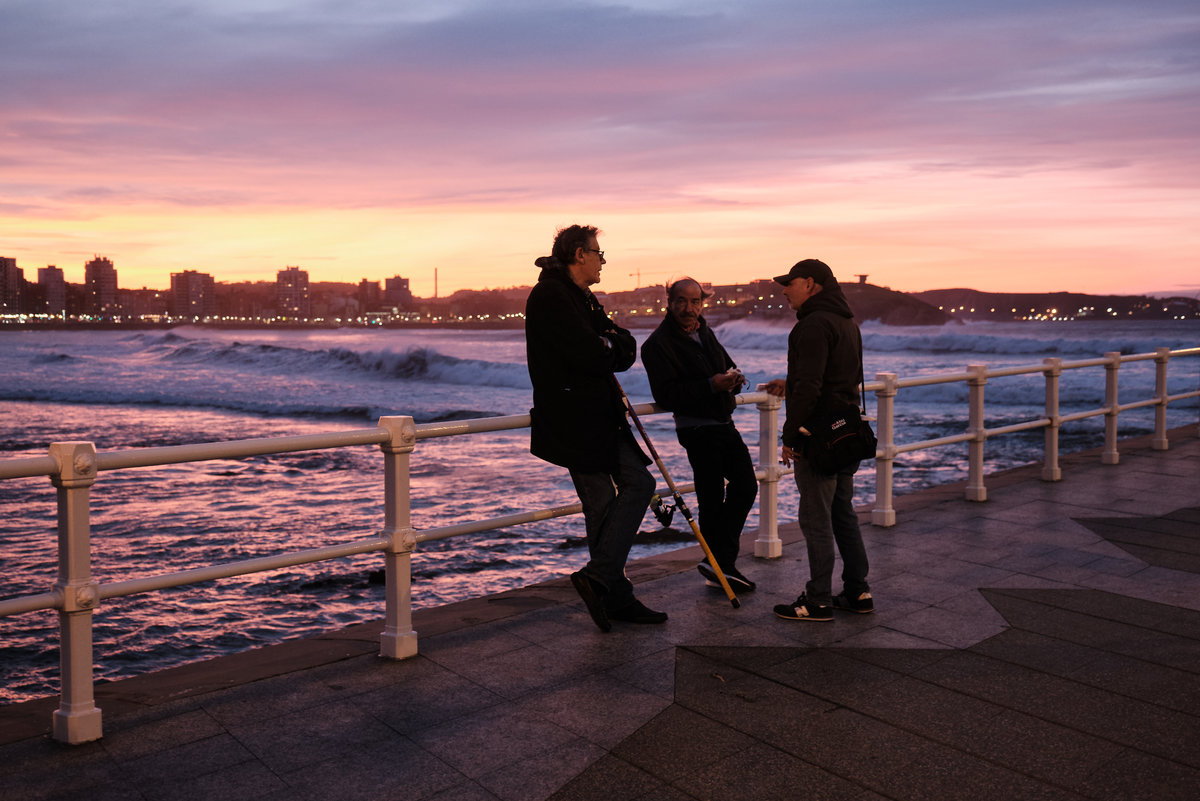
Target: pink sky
(1021, 146)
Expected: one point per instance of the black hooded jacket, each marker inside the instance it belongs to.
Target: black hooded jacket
(824, 361)
(679, 369)
(573, 349)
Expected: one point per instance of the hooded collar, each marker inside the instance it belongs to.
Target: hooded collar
(829, 299)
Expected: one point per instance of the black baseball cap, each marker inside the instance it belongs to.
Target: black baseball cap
(809, 268)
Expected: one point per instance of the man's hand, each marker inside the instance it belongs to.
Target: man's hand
(729, 381)
(787, 456)
(777, 387)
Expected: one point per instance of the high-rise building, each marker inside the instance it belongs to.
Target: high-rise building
(193, 295)
(396, 293)
(54, 287)
(369, 295)
(100, 284)
(12, 281)
(292, 300)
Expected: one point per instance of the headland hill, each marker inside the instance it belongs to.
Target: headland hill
(293, 302)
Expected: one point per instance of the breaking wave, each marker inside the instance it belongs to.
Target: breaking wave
(1076, 340)
(417, 363)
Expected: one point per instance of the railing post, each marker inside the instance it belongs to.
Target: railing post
(1111, 454)
(1161, 357)
(885, 422)
(77, 719)
(768, 545)
(398, 640)
(976, 490)
(1050, 469)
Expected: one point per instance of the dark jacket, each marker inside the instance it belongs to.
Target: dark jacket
(573, 349)
(824, 361)
(679, 369)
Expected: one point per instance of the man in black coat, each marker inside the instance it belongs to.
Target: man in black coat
(578, 418)
(824, 371)
(692, 375)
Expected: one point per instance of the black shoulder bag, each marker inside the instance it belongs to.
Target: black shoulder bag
(837, 442)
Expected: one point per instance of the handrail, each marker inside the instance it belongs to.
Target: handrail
(74, 466)
(236, 449)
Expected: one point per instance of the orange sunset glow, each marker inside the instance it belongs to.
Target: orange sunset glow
(1030, 147)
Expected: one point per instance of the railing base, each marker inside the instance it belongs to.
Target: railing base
(398, 646)
(74, 728)
(883, 517)
(768, 549)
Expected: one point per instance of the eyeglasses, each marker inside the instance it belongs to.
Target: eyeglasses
(599, 253)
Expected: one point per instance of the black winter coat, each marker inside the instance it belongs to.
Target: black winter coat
(679, 370)
(573, 349)
(824, 362)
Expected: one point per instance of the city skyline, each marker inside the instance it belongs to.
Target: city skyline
(1026, 147)
(292, 298)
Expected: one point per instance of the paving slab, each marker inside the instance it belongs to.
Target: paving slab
(1044, 643)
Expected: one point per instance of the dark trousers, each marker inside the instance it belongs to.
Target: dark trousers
(613, 507)
(718, 455)
(828, 520)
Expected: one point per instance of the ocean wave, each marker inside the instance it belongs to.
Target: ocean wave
(430, 364)
(1078, 390)
(1081, 339)
(263, 407)
(417, 363)
(52, 358)
(948, 342)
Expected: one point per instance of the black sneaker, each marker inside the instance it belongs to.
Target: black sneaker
(737, 582)
(593, 598)
(803, 609)
(863, 604)
(637, 612)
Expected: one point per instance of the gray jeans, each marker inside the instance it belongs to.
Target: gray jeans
(613, 508)
(827, 517)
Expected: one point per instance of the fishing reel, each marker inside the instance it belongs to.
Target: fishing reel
(663, 512)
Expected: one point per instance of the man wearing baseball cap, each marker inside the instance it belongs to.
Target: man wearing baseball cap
(824, 369)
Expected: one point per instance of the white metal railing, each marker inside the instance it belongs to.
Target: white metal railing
(73, 468)
(887, 385)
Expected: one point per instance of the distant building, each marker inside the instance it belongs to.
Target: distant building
(370, 296)
(292, 299)
(100, 284)
(247, 300)
(144, 304)
(54, 288)
(396, 293)
(193, 295)
(12, 281)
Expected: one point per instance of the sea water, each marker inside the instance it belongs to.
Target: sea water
(138, 389)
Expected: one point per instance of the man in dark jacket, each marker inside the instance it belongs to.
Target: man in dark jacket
(578, 418)
(692, 375)
(824, 370)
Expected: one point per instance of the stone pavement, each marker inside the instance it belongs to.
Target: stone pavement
(1043, 644)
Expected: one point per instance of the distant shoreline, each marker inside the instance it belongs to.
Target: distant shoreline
(638, 325)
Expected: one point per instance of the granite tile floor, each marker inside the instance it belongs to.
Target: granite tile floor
(1042, 644)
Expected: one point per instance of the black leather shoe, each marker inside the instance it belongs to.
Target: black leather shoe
(593, 598)
(737, 582)
(637, 612)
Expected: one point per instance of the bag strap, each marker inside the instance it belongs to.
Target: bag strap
(862, 381)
